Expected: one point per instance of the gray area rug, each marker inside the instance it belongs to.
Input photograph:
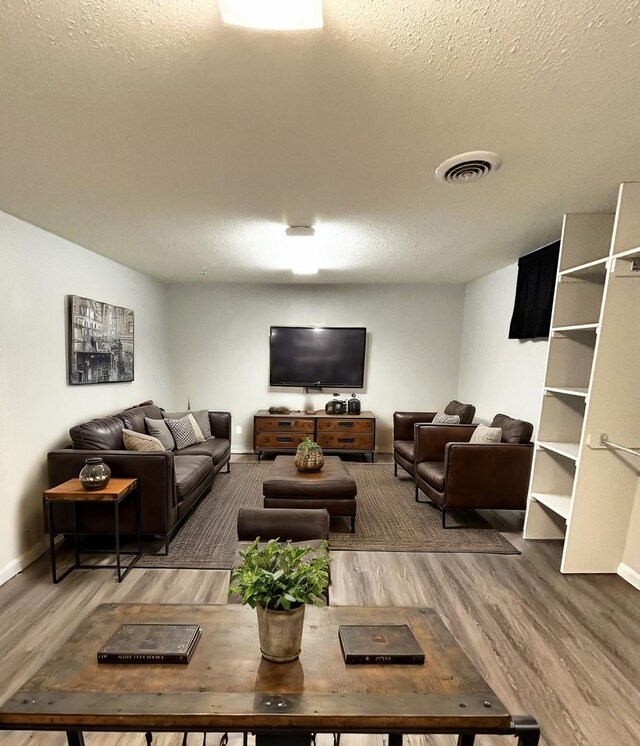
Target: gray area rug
(388, 520)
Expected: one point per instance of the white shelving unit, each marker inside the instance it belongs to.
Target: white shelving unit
(581, 491)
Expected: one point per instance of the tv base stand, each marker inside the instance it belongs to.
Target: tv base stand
(334, 433)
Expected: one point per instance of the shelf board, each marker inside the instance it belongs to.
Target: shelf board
(560, 504)
(626, 263)
(569, 391)
(628, 254)
(595, 271)
(568, 450)
(575, 328)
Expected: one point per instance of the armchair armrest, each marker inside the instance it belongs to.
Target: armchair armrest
(487, 475)
(403, 423)
(431, 440)
(220, 424)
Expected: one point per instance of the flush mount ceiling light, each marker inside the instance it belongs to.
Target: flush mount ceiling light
(467, 167)
(273, 15)
(303, 251)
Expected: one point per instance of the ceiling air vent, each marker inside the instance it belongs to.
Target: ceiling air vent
(467, 167)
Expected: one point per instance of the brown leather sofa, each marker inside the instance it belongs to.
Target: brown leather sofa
(404, 432)
(454, 473)
(170, 482)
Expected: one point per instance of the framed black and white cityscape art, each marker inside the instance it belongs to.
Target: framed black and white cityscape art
(100, 342)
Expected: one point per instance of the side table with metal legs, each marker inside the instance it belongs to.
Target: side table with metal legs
(72, 492)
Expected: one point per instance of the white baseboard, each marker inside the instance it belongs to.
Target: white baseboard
(24, 560)
(629, 574)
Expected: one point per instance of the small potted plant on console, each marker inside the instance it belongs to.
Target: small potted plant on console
(277, 579)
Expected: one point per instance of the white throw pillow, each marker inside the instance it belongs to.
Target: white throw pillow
(134, 441)
(446, 419)
(484, 434)
(196, 428)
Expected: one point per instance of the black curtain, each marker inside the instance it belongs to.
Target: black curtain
(534, 293)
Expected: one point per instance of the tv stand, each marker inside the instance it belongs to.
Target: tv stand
(334, 433)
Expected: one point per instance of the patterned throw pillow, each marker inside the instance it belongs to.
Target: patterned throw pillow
(183, 432)
(446, 419)
(201, 416)
(159, 430)
(484, 434)
(134, 441)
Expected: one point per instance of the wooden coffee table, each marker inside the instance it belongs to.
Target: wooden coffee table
(229, 687)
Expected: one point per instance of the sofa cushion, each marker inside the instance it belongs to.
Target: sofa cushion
(433, 473)
(484, 434)
(513, 431)
(182, 431)
(134, 418)
(216, 448)
(134, 441)
(201, 416)
(103, 434)
(442, 418)
(464, 411)
(404, 448)
(190, 471)
(160, 430)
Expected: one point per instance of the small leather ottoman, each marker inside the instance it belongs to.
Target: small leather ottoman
(330, 488)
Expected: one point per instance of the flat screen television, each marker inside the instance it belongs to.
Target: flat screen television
(317, 356)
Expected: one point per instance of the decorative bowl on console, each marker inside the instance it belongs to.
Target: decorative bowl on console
(309, 456)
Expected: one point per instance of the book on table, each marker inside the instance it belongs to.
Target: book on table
(385, 643)
(151, 643)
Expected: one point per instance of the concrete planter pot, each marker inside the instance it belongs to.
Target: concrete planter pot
(280, 633)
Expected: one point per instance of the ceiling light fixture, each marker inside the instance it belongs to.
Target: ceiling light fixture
(273, 15)
(303, 251)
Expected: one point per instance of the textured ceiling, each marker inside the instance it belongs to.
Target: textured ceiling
(147, 131)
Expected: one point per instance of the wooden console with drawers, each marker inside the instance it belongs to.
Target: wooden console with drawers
(338, 433)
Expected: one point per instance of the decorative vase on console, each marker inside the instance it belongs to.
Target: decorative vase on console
(309, 456)
(95, 474)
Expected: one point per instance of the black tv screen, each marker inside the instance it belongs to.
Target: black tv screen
(317, 356)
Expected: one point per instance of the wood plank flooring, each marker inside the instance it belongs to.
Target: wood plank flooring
(565, 648)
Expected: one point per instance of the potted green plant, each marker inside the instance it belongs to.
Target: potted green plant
(309, 456)
(278, 579)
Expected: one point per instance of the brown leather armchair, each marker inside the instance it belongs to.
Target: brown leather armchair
(404, 432)
(454, 473)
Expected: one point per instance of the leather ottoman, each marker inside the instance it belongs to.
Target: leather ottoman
(331, 488)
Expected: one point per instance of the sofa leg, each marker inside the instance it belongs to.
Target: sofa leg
(228, 466)
(395, 469)
(165, 538)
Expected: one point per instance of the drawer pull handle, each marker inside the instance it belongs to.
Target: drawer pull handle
(284, 423)
(345, 424)
(284, 440)
(346, 440)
